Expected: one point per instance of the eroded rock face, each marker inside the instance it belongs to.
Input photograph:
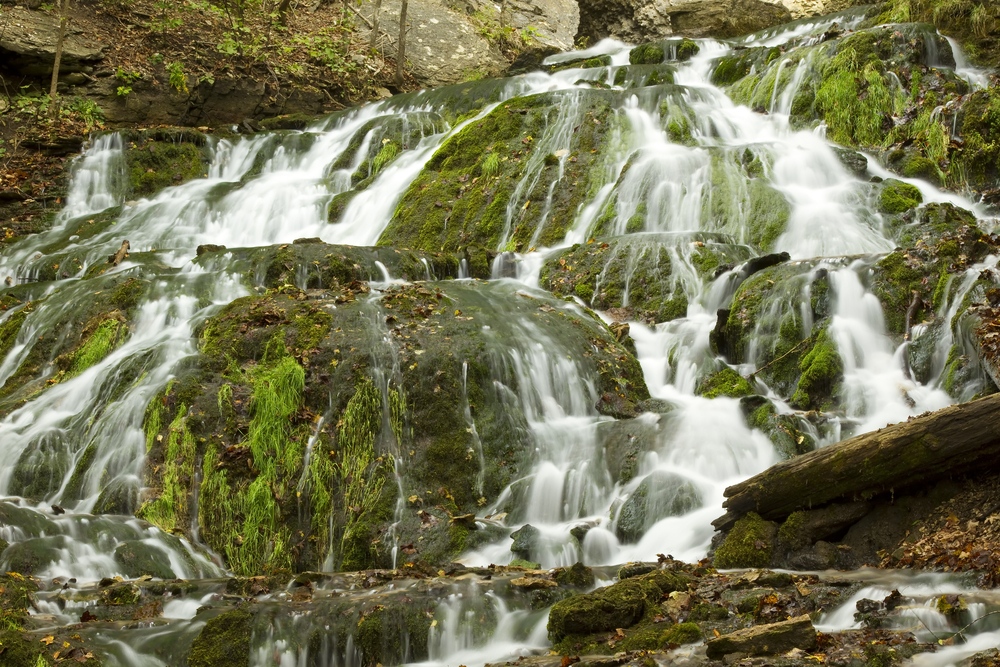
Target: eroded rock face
(633, 21)
(28, 44)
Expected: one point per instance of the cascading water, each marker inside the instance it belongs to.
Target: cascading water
(686, 172)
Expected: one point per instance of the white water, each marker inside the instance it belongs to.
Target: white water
(704, 442)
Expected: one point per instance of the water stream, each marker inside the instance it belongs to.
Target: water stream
(274, 188)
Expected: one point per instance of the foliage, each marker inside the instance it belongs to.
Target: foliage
(178, 81)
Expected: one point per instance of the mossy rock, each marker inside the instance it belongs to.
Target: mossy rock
(153, 163)
(898, 197)
(618, 606)
(464, 192)
(577, 575)
(749, 544)
(726, 382)
(302, 353)
(224, 641)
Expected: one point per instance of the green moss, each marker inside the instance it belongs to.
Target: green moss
(621, 605)
(822, 368)
(108, 335)
(154, 165)
(708, 612)
(578, 575)
(726, 382)
(683, 633)
(10, 328)
(790, 532)
(169, 511)
(897, 197)
(128, 294)
(748, 544)
(16, 599)
(224, 641)
(646, 54)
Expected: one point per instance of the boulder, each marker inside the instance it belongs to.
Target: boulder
(770, 639)
(28, 44)
(658, 496)
(634, 21)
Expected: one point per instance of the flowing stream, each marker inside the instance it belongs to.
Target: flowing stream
(274, 188)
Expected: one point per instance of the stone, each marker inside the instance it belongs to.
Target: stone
(28, 44)
(533, 583)
(636, 22)
(660, 495)
(525, 541)
(770, 639)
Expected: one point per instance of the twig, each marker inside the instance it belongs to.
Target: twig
(774, 361)
(360, 15)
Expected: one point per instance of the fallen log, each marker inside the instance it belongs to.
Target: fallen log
(953, 441)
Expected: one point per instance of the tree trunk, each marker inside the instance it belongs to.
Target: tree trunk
(952, 441)
(53, 91)
(401, 51)
(503, 7)
(373, 43)
(282, 10)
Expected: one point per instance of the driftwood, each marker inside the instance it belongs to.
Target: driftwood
(952, 441)
(116, 259)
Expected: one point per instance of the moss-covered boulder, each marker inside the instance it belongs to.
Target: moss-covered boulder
(224, 641)
(494, 183)
(750, 543)
(726, 382)
(156, 159)
(621, 605)
(646, 276)
(423, 369)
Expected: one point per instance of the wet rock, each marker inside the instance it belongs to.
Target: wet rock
(803, 528)
(771, 639)
(30, 556)
(853, 161)
(533, 583)
(525, 541)
(749, 544)
(660, 495)
(139, 558)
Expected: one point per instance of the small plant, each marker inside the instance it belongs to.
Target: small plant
(87, 110)
(491, 165)
(178, 81)
(127, 78)
(156, 58)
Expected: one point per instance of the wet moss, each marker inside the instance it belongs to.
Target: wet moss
(154, 165)
(683, 633)
(577, 575)
(456, 202)
(726, 382)
(103, 338)
(748, 544)
(224, 641)
(621, 605)
(16, 600)
(646, 54)
(897, 197)
(822, 369)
